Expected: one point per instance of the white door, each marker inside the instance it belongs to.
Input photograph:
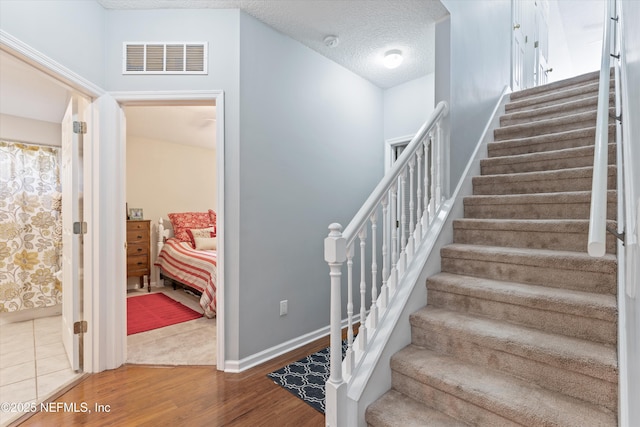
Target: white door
(71, 176)
(541, 43)
(518, 46)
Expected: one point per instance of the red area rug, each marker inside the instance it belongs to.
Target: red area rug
(153, 311)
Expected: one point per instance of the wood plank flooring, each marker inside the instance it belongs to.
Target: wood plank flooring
(139, 395)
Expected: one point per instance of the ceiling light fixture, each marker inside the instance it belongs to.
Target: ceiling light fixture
(393, 58)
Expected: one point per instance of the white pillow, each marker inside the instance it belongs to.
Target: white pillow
(206, 243)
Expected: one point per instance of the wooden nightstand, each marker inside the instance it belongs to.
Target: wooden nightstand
(139, 251)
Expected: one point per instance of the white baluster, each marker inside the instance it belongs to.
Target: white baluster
(418, 232)
(393, 223)
(439, 168)
(402, 261)
(362, 331)
(384, 291)
(348, 357)
(335, 254)
(426, 217)
(373, 312)
(434, 160)
(412, 221)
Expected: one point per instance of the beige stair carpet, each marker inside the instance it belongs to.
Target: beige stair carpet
(520, 327)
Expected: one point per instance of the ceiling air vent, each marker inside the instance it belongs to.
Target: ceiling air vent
(164, 58)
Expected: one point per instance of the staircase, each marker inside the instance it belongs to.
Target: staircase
(521, 324)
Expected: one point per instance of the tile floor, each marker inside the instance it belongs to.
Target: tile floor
(33, 362)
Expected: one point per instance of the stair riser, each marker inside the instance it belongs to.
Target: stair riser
(497, 356)
(573, 139)
(569, 275)
(545, 320)
(542, 182)
(448, 403)
(581, 121)
(539, 162)
(561, 241)
(552, 112)
(577, 208)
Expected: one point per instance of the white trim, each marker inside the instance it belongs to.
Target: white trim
(47, 65)
(189, 97)
(74, 83)
(237, 366)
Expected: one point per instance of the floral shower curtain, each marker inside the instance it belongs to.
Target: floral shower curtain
(30, 227)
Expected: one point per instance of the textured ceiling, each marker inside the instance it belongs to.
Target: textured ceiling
(366, 29)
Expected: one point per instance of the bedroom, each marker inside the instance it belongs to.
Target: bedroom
(171, 168)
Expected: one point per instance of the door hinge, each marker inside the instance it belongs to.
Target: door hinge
(79, 228)
(80, 127)
(80, 327)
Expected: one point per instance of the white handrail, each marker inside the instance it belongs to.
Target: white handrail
(415, 185)
(598, 217)
(351, 230)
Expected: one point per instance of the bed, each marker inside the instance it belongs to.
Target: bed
(193, 267)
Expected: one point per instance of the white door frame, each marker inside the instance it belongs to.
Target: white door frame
(390, 145)
(217, 96)
(78, 84)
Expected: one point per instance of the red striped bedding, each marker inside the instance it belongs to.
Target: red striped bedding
(197, 269)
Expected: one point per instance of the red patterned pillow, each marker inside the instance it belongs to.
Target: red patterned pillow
(184, 221)
(198, 233)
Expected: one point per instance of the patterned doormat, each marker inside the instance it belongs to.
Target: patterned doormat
(306, 378)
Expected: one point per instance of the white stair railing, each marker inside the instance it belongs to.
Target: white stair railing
(388, 229)
(598, 216)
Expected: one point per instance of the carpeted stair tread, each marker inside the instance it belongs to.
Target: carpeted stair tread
(548, 309)
(563, 180)
(566, 205)
(584, 304)
(478, 394)
(545, 160)
(548, 126)
(588, 78)
(555, 234)
(553, 97)
(555, 141)
(562, 269)
(589, 103)
(394, 409)
(588, 358)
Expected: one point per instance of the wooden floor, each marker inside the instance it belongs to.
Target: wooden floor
(139, 395)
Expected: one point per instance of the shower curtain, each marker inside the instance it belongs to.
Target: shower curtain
(30, 227)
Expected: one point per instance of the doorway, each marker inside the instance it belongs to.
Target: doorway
(31, 330)
(171, 158)
(529, 43)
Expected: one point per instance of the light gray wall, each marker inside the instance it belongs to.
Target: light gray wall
(310, 153)
(407, 106)
(480, 64)
(630, 14)
(69, 32)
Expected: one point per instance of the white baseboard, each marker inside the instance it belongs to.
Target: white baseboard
(237, 366)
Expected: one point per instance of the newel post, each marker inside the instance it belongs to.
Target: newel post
(335, 254)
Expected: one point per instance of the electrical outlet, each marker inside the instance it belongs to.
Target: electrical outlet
(284, 307)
